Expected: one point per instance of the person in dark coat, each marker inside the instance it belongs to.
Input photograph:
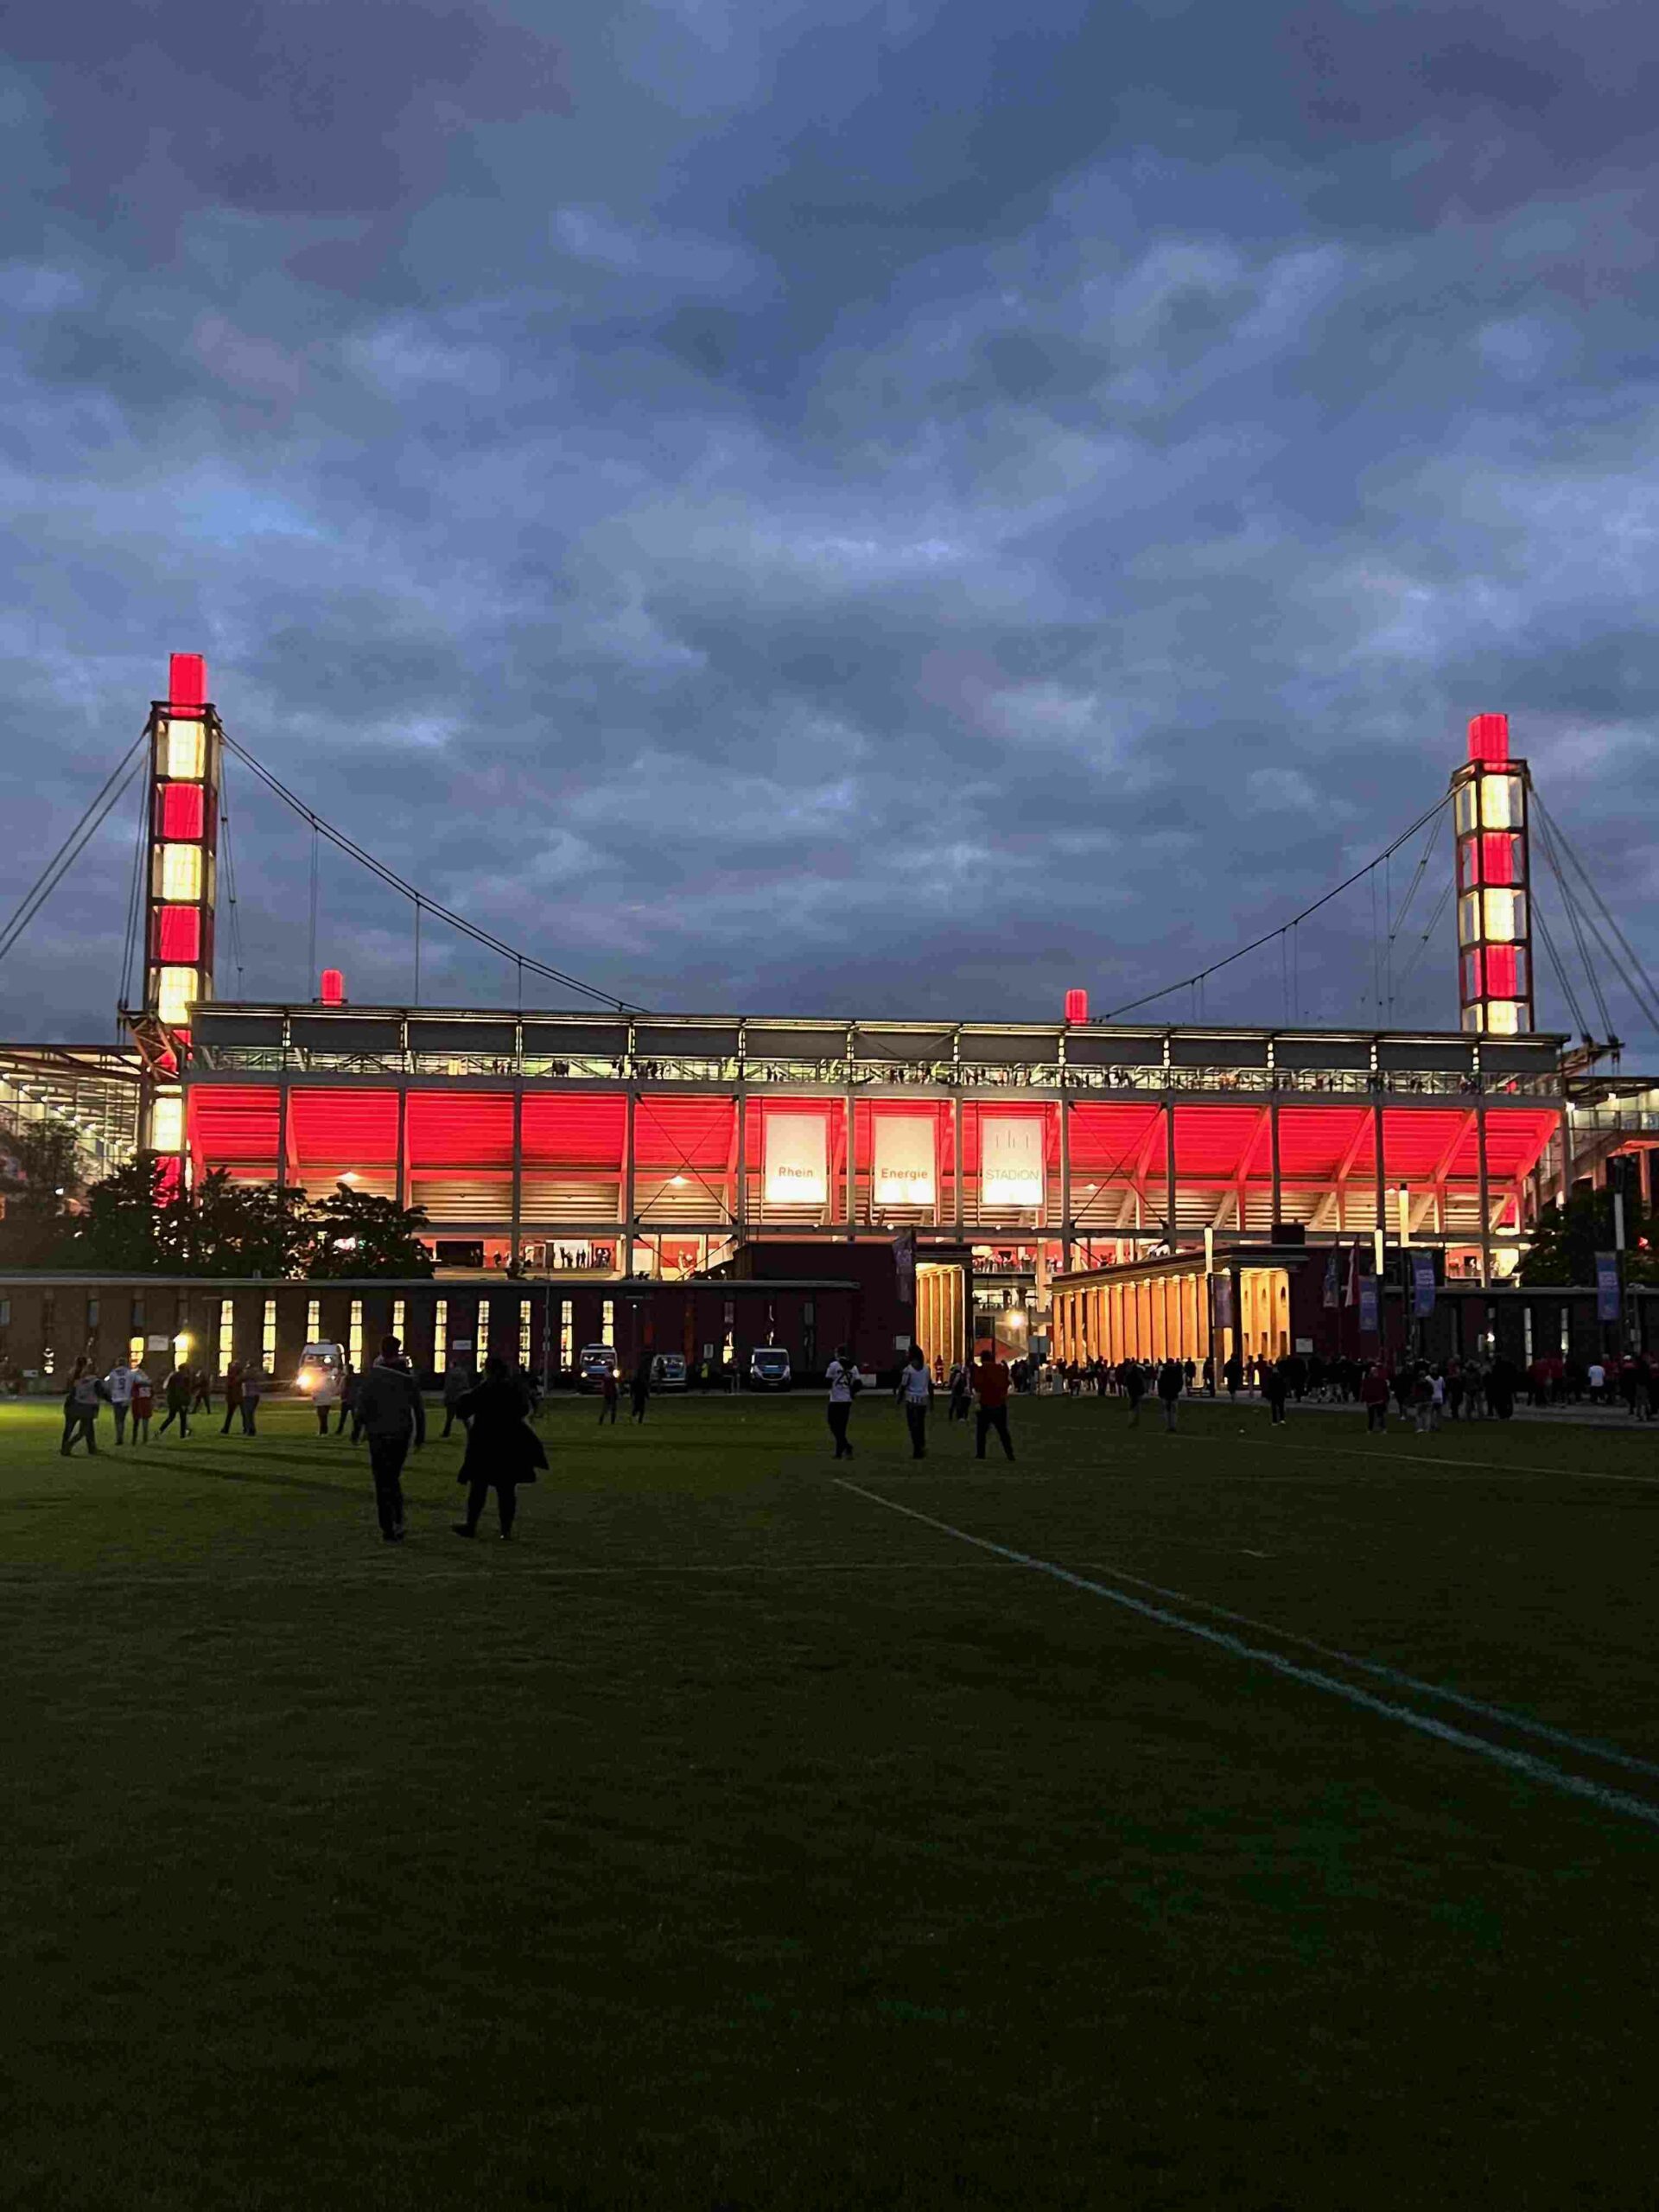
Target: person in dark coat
(639, 1386)
(503, 1450)
(175, 1396)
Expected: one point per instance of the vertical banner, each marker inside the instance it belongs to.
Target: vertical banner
(904, 1266)
(798, 1159)
(1422, 1284)
(1332, 1278)
(1010, 1160)
(904, 1159)
(1370, 1321)
(1606, 1286)
(1351, 1296)
(1223, 1301)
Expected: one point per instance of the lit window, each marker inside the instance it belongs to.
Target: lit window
(607, 1323)
(440, 1334)
(181, 872)
(1500, 802)
(1503, 1017)
(166, 1123)
(1466, 807)
(482, 1341)
(355, 1348)
(176, 992)
(524, 1332)
(226, 1333)
(268, 1334)
(399, 1307)
(1505, 915)
(136, 1350)
(184, 749)
(314, 1322)
(567, 1335)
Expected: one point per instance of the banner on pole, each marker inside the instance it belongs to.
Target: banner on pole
(1606, 1286)
(1223, 1301)
(1368, 1320)
(1422, 1284)
(797, 1159)
(1351, 1297)
(904, 1159)
(1010, 1160)
(1332, 1278)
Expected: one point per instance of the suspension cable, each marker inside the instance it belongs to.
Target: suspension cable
(72, 848)
(1646, 997)
(396, 882)
(1575, 922)
(1421, 946)
(1267, 936)
(1562, 975)
(230, 878)
(133, 962)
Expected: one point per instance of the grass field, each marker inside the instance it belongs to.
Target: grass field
(736, 1838)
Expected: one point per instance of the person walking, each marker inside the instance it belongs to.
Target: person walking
(1275, 1389)
(324, 1397)
(1133, 1376)
(991, 1385)
(254, 1388)
(233, 1375)
(639, 1388)
(143, 1401)
(80, 1404)
(348, 1403)
(915, 1393)
(118, 1388)
(202, 1389)
(175, 1396)
(503, 1450)
(1374, 1397)
(458, 1380)
(1170, 1382)
(390, 1411)
(608, 1395)
(845, 1383)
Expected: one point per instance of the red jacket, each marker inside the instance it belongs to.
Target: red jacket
(991, 1384)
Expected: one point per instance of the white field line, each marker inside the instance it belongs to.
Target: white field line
(1525, 1762)
(1591, 1745)
(1529, 1468)
(66, 1578)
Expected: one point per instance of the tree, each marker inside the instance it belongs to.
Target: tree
(1567, 1238)
(246, 1229)
(357, 1234)
(39, 1173)
(128, 1228)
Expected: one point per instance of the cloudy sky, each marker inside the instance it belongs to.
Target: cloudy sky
(827, 505)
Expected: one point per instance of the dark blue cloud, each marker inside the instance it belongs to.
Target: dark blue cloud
(845, 505)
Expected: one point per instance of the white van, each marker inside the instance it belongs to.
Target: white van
(769, 1369)
(322, 1368)
(593, 1363)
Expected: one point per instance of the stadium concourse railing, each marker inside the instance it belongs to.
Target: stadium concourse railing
(944, 1075)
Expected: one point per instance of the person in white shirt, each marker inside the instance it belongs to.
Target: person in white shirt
(843, 1378)
(915, 1393)
(118, 1383)
(1598, 1381)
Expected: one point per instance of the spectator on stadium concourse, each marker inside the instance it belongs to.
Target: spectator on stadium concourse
(1598, 1381)
(254, 1388)
(1422, 1401)
(503, 1450)
(175, 1396)
(390, 1413)
(1170, 1382)
(1275, 1387)
(143, 1401)
(991, 1384)
(608, 1395)
(233, 1375)
(202, 1389)
(639, 1388)
(80, 1404)
(842, 1377)
(915, 1393)
(458, 1380)
(118, 1388)
(1374, 1397)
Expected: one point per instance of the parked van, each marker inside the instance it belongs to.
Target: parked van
(593, 1363)
(668, 1372)
(769, 1368)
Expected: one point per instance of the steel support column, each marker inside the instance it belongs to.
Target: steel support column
(403, 1147)
(1377, 1168)
(517, 1163)
(741, 1178)
(1486, 1197)
(1065, 1181)
(957, 1217)
(629, 1226)
(1273, 1162)
(1169, 1167)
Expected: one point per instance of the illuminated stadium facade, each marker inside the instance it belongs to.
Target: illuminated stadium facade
(628, 1145)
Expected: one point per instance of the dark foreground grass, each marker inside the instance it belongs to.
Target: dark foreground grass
(733, 1840)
